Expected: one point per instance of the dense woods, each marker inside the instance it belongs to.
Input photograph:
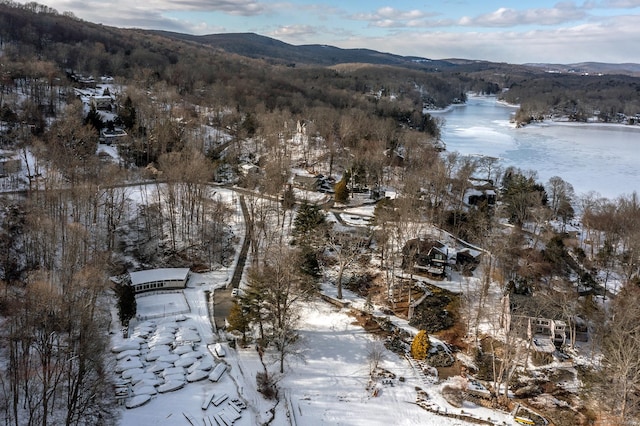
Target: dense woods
(577, 96)
(195, 115)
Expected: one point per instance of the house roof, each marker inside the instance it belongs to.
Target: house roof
(306, 178)
(113, 133)
(543, 344)
(151, 275)
(470, 252)
(423, 246)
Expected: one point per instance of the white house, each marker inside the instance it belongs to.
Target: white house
(112, 136)
(159, 279)
(249, 169)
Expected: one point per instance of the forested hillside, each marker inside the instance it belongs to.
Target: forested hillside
(191, 62)
(115, 143)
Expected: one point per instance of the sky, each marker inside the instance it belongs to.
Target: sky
(501, 31)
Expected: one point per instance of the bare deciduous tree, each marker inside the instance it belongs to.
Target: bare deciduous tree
(347, 249)
(276, 290)
(376, 353)
(620, 346)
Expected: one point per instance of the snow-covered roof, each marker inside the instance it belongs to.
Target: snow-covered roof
(543, 344)
(473, 191)
(471, 252)
(151, 275)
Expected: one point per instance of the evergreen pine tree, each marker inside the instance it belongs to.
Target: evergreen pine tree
(308, 221)
(94, 120)
(127, 114)
(239, 320)
(308, 261)
(127, 305)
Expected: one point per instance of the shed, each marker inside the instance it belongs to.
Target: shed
(249, 169)
(467, 258)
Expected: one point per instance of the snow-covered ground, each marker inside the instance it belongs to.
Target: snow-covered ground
(328, 384)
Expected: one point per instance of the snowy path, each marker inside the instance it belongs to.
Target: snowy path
(196, 299)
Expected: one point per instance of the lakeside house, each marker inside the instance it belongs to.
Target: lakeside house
(481, 191)
(423, 255)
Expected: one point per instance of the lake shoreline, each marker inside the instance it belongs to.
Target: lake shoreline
(594, 125)
(594, 157)
(564, 121)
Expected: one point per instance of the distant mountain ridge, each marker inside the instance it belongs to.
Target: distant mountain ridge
(42, 26)
(261, 47)
(591, 68)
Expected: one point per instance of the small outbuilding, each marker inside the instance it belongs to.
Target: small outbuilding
(112, 136)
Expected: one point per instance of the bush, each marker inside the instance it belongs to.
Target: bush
(453, 395)
(420, 345)
(266, 385)
(341, 192)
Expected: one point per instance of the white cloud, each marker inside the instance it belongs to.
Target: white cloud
(506, 17)
(561, 13)
(386, 23)
(612, 40)
(294, 31)
(622, 4)
(389, 17)
(203, 28)
(390, 14)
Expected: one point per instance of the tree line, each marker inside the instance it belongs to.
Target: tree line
(194, 116)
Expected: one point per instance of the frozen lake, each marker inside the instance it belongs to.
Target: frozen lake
(592, 157)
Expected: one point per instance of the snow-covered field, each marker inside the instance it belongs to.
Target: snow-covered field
(327, 385)
(330, 385)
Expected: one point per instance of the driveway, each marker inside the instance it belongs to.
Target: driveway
(222, 299)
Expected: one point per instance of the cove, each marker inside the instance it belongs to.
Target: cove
(592, 157)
